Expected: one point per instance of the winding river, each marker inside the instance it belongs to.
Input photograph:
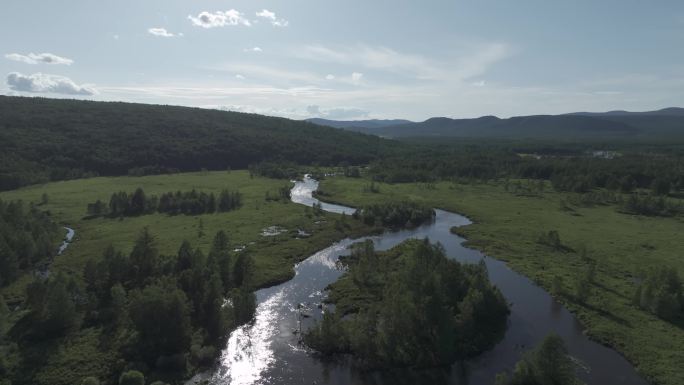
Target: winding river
(266, 351)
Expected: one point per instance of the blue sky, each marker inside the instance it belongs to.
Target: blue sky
(350, 59)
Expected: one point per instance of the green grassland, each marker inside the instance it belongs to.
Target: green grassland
(274, 256)
(507, 226)
(89, 351)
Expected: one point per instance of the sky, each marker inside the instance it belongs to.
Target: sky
(352, 59)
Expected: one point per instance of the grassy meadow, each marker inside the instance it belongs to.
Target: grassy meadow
(274, 255)
(507, 226)
(86, 351)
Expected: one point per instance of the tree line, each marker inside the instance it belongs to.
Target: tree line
(410, 307)
(572, 169)
(27, 236)
(166, 312)
(650, 205)
(188, 203)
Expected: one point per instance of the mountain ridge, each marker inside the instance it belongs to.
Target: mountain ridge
(664, 123)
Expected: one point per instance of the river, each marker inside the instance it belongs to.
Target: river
(266, 351)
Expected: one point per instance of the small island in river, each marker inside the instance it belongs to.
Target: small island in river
(409, 306)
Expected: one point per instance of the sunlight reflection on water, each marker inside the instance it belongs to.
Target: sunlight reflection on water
(249, 351)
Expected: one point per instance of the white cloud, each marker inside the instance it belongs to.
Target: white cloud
(337, 113)
(241, 77)
(356, 77)
(230, 17)
(253, 49)
(470, 60)
(271, 16)
(45, 83)
(380, 58)
(480, 83)
(330, 77)
(39, 58)
(162, 32)
(266, 14)
(280, 23)
(269, 74)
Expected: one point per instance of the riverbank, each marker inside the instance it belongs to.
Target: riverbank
(508, 226)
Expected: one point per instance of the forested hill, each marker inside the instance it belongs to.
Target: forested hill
(54, 139)
(664, 124)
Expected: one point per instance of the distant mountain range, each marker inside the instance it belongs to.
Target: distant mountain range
(373, 123)
(661, 124)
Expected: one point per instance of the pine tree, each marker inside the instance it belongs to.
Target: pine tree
(138, 202)
(220, 255)
(244, 269)
(144, 256)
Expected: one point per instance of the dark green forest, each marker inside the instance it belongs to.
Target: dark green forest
(412, 307)
(45, 140)
(164, 314)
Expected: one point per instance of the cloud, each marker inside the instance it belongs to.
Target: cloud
(271, 16)
(219, 19)
(241, 77)
(330, 77)
(356, 77)
(266, 14)
(378, 58)
(480, 83)
(253, 49)
(44, 83)
(39, 58)
(269, 74)
(468, 61)
(338, 113)
(162, 32)
(314, 110)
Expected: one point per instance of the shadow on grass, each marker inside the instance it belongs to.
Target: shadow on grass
(613, 291)
(602, 312)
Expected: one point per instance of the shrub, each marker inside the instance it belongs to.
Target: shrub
(132, 377)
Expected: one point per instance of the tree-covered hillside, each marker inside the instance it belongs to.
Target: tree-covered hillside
(52, 139)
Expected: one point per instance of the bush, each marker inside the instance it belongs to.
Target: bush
(395, 214)
(132, 377)
(548, 363)
(661, 293)
(90, 381)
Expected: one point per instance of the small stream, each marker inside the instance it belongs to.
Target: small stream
(44, 270)
(266, 351)
(67, 240)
